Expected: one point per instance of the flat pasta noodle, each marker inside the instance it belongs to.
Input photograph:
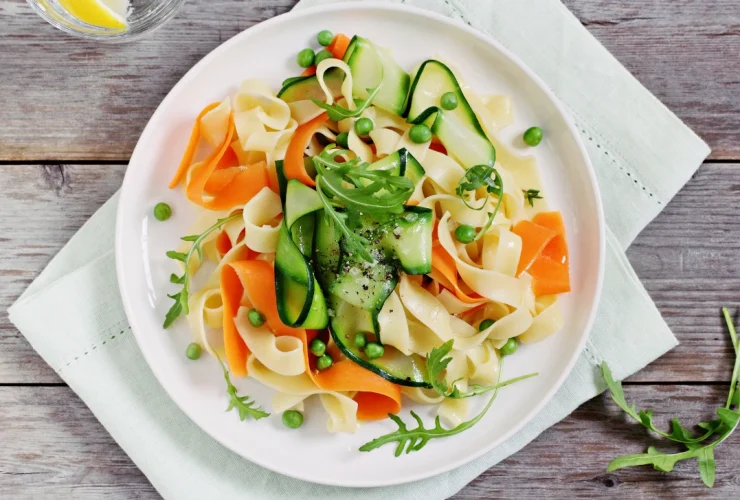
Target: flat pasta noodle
(510, 275)
(260, 233)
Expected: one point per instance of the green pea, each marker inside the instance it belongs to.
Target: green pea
(419, 134)
(324, 362)
(485, 324)
(448, 100)
(465, 233)
(162, 211)
(360, 340)
(324, 54)
(342, 140)
(364, 126)
(317, 347)
(373, 350)
(292, 419)
(325, 37)
(509, 347)
(305, 58)
(193, 351)
(533, 136)
(255, 318)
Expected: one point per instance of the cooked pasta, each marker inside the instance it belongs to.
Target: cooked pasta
(340, 264)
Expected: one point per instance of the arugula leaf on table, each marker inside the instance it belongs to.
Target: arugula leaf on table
(697, 447)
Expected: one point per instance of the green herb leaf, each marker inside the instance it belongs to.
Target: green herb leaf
(707, 466)
(475, 178)
(337, 112)
(643, 417)
(182, 257)
(530, 195)
(350, 189)
(704, 453)
(243, 405)
(436, 365)
(181, 298)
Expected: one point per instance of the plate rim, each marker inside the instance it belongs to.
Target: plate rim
(391, 9)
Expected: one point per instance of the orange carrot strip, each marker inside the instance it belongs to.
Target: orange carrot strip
(232, 292)
(194, 190)
(273, 179)
(445, 265)
(293, 164)
(338, 46)
(534, 240)
(557, 249)
(438, 147)
(310, 71)
(549, 277)
(229, 159)
(245, 185)
(223, 243)
(221, 178)
(187, 157)
(376, 396)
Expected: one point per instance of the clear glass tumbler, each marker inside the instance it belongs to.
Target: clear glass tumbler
(143, 17)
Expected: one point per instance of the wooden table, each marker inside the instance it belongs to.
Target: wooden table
(72, 112)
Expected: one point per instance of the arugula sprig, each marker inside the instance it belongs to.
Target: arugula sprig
(437, 362)
(475, 178)
(530, 195)
(696, 447)
(415, 439)
(181, 298)
(349, 189)
(337, 112)
(242, 404)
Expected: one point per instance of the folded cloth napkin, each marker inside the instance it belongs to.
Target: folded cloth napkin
(72, 313)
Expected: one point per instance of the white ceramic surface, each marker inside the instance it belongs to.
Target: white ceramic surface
(267, 51)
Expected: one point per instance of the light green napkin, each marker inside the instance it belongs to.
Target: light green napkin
(72, 314)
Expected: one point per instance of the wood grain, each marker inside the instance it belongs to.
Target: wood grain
(687, 259)
(80, 100)
(72, 456)
(686, 52)
(43, 206)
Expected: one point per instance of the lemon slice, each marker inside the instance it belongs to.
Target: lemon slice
(103, 13)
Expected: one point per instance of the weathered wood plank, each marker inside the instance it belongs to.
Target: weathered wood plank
(687, 259)
(81, 100)
(43, 206)
(71, 455)
(78, 100)
(685, 52)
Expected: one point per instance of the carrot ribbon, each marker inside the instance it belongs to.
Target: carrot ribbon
(253, 282)
(544, 253)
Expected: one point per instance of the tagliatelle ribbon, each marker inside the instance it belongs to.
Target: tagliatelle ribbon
(253, 282)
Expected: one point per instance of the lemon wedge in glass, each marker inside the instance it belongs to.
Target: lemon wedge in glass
(103, 13)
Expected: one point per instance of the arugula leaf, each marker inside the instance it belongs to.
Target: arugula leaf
(704, 453)
(337, 112)
(415, 439)
(530, 195)
(475, 178)
(181, 298)
(377, 193)
(646, 417)
(243, 405)
(437, 364)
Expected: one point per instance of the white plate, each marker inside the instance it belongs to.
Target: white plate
(268, 51)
